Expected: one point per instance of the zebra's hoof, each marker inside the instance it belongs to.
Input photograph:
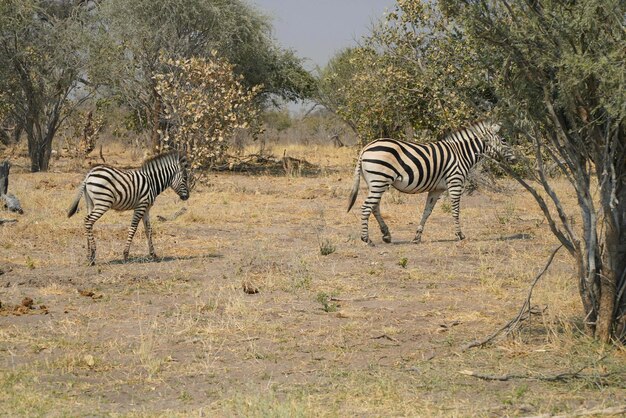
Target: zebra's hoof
(387, 239)
(153, 256)
(417, 240)
(460, 236)
(367, 241)
(91, 262)
(125, 256)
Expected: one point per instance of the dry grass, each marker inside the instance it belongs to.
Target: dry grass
(356, 331)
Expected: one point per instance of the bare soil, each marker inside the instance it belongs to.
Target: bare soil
(243, 315)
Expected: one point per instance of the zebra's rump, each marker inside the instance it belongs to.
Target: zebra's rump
(410, 168)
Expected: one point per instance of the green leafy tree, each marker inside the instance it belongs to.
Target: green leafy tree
(42, 64)
(560, 82)
(371, 92)
(414, 71)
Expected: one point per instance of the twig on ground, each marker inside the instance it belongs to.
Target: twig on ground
(385, 336)
(174, 216)
(525, 312)
(557, 377)
(363, 299)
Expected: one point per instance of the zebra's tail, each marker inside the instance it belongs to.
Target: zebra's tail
(74, 208)
(355, 185)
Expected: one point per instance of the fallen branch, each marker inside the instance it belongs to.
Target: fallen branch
(525, 312)
(558, 377)
(363, 299)
(385, 336)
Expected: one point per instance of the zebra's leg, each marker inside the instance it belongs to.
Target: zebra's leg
(94, 214)
(384, 229)
(137, 216)
(455, 190)
(431, 199)
(371, 204)
(148, 228)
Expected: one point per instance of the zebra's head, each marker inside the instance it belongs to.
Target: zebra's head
(496, 147)
(181, 178)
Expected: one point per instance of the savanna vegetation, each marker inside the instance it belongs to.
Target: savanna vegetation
(264, 302)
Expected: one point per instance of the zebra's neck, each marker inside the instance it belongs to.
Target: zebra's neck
(160, 172)
(467, 142)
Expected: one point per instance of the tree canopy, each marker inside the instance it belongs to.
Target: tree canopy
(55, 55)
(143, 33)
(42, 63)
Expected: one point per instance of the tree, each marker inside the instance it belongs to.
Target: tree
(142, 32)
(559, 79)
(205, 102)
(41, 66)
(370, 91)
(406, 74)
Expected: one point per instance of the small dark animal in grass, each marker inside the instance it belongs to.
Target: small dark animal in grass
(107, 187)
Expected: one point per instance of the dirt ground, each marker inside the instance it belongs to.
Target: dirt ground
(264, 302)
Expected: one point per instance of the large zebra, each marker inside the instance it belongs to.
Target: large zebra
(108, 187)
(416, 168)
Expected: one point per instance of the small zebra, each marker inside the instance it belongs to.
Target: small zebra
(416, 168)
(107, 187)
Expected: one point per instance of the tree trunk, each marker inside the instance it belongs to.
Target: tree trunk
(39, 151)
(589, 310)
(4, 177)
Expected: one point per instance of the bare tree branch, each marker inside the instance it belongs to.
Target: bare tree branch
(524, 313)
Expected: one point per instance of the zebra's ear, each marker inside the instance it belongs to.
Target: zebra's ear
(495, 127)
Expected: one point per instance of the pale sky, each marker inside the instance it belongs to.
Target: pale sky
(317, 29)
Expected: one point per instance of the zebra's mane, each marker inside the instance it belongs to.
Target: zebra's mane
(163, 156)
(451, 136)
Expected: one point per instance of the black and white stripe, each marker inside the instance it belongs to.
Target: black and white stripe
(108, 187)
(416, 168)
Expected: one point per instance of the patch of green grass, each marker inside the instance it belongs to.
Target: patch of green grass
(327, 247)
(20, 397)
(403, 262)
(325, 300)
(270, 405)
(30, 263)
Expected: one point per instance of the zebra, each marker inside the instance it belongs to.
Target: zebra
(107, 187)
(416, 168)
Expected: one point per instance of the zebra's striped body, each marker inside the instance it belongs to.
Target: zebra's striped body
(415, 168)
(107, 187)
